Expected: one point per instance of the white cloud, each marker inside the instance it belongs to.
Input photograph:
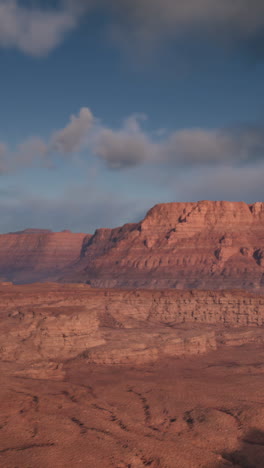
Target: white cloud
(37, 31)
(70, 138)
(199, 146)
(34, 150)
(33, 31)
(126, 147)
(130, 145)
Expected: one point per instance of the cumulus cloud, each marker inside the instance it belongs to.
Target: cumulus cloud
(33, 30)
(130, 145)
(70, 138)
(126, 147)
(187, 147)
(34, 150)
(199, 146)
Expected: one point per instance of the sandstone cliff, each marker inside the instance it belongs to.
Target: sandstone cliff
(33, 254)
(207, 245)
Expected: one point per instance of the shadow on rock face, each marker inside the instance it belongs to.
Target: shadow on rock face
(250, 454)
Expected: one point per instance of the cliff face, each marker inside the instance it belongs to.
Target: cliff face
(37, 254)
(205, 245)
(180, 245)
(53, 322)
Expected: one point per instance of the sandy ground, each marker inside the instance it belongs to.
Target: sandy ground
(204, 411)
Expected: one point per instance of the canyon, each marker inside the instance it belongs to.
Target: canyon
(130, 378)
(205, 245)
(136, 346)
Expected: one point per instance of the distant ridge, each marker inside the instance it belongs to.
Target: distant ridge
(37, 254)
(32, 231)
(204, 245)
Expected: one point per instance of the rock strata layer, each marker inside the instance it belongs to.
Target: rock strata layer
(57, 323)
(205, 245)
(35, 255)
(93, 377)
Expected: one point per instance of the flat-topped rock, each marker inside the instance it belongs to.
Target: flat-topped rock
(205, 245)
(180, 245)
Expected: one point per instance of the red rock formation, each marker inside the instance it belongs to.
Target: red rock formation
(92, 378)
(34, 254)
(181, 245)
(206, 245)
(58, 322)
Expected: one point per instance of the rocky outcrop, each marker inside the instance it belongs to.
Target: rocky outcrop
(210, 245)
(57, 323)
(205, 245)
(34, 254)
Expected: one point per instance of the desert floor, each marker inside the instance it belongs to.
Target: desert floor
(201, 411)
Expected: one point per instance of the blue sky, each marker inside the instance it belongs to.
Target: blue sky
(110, 107)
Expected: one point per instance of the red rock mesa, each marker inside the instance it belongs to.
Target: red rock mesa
(206, 245)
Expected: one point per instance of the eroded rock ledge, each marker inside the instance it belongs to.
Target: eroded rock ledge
(54, 323)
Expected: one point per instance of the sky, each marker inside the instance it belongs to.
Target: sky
(108, 107)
